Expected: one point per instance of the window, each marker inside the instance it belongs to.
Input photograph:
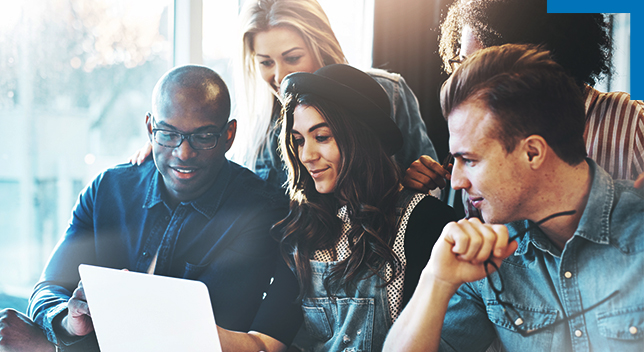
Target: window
(76, 84)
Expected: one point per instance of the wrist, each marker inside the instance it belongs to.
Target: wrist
(429, 279)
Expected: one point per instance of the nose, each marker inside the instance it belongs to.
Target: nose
(459, 180)
(308, 153)
(280, 72)
(184, 151)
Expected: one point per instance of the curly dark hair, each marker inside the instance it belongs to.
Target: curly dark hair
(579, 42)
(368, 183)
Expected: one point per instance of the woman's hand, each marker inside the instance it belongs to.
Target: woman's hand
(140, 155)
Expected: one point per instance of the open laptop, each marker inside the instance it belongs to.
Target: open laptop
(140, 312)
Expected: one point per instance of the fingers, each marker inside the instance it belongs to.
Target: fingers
(77, 304)
(639, 183)
(475, 242)
(140, 155)
(425, 174)
(501, 241)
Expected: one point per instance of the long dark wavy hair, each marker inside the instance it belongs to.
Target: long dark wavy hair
(368, 183)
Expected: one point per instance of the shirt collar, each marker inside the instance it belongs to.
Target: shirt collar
(205, 204)
(594, 222)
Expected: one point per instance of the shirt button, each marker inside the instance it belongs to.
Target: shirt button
(145, 254)
(568, 274)
(578, 333)
(632, 330)
(518, 322)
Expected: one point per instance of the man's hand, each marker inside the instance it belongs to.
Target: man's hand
(78, 321)
(463, 247)
(425, 174)
(457, 257)
(19, 334)
(140, 155)
(639, 183)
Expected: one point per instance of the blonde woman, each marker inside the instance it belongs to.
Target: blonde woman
(280, 37)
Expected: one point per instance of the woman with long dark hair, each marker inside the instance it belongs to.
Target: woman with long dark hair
(355, 241)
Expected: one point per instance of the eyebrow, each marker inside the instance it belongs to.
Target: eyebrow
(283, 54)
(314, 127)
(459, 154)
(198, 130)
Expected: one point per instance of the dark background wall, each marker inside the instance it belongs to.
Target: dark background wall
(406, 42)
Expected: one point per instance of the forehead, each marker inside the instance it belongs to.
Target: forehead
(304, 117)
(470, 126)
(186, 109)
(276, 40)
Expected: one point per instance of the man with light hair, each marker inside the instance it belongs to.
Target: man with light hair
(565, 272)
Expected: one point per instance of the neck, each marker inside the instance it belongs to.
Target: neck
(565, 188)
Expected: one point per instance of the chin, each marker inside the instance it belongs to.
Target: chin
(323, 188)
(490, 218)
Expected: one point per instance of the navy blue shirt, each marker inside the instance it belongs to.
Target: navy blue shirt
(122, 219)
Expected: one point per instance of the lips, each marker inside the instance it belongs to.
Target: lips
(476, 201)
(317, 172)
(183, 172)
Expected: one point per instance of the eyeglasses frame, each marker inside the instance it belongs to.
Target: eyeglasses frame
(187, 136)
(518, 321)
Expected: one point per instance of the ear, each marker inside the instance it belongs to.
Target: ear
(535, 148)
(148, 125)
(230, 133)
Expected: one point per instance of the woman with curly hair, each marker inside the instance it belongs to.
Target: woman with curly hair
(580, 43)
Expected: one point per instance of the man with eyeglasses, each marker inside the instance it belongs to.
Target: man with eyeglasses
(188, 213)
(565, 273)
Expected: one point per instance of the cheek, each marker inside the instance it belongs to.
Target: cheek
(311, 66)
(266, 74)
(334, 156)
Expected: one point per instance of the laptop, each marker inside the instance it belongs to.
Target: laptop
(140, 312)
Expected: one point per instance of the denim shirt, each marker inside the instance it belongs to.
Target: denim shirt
(122, 219)
(605, 254)
(404, 111)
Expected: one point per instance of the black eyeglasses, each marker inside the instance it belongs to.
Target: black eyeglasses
(513, 316)
(197, 141)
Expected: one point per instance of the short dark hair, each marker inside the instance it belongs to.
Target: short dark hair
(579, 42)
(205, 85)
(527, 92)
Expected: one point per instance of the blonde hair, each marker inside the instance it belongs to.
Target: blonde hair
(256, 99)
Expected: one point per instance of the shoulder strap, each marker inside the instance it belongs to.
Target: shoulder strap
(403, 203)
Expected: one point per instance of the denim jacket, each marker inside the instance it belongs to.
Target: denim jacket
(121, 220)
(404, 111)
(545, 285)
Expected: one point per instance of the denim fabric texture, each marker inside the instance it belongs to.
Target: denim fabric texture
(545, 285)
(352, 319)
(121, 220)
(404, 111)
(355, 319)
